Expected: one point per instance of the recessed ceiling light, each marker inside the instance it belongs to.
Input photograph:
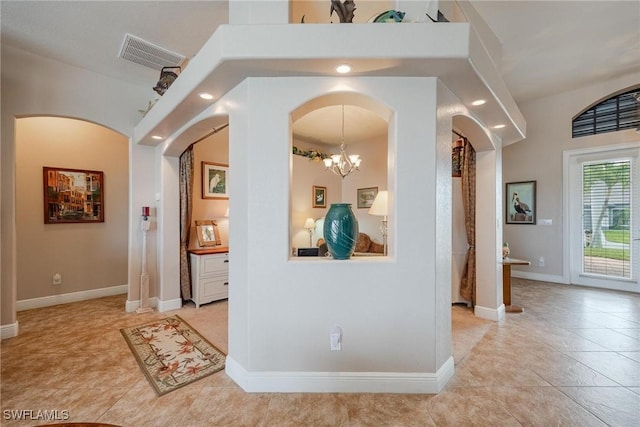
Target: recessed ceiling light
(343, 68)
(499, 126)
(478, 102)
(156, 137)
(206, 96)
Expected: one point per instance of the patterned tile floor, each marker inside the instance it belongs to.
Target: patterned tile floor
(571, 359)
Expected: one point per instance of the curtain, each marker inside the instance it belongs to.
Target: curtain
(468, 281)
(186, 207)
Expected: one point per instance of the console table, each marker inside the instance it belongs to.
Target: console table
(506, 283)
(209, 274)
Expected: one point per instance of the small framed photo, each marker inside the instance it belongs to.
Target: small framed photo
(319, 197)
(366, 197)
(207, 232)
(73, 195)
(520, 200)
(215, 180)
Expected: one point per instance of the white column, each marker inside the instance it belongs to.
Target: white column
(489, 235)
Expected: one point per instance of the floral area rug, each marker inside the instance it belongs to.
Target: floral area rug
(172, 354)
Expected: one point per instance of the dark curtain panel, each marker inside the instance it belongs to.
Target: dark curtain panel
(186, 207)
(468, 281)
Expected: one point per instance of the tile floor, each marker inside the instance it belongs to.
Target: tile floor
(571, 359)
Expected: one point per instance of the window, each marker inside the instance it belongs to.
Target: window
(606, 208)
(616, 113)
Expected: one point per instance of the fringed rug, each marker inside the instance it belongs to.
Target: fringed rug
(172, 354)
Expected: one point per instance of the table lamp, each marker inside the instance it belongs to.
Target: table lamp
(380, 207)
(310, 224)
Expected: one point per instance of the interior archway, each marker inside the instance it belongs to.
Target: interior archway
(488, 218)
(91, 257)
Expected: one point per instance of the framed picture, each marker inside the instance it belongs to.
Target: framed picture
(520, 200)
(215, 180)
(366, 196)
(72, 195)
(207, 232)
(319, 197)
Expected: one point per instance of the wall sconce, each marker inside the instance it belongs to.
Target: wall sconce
(380, 207)
(167, 76)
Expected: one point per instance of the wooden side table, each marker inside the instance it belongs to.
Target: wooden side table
(506, 283)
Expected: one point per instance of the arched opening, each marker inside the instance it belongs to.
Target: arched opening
(77, 258)
(487, 209)
(318, 129)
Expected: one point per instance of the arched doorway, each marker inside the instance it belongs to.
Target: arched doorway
(89, 258)
(488, 216)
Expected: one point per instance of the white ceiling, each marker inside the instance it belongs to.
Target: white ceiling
(549, 46)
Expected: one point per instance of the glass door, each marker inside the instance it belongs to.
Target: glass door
(605, 223)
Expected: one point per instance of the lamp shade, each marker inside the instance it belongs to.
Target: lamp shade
(309, 224)
(380, 205)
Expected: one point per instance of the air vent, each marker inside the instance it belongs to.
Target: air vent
(142, 52)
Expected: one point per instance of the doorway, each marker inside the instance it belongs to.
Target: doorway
(604, 217)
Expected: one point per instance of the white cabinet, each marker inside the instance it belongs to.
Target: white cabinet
(209, 275)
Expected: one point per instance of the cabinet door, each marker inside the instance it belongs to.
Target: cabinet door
(214, 288)
(214, 264)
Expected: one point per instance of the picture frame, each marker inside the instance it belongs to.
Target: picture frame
(366, 196)
(319, 196)
(207, 233)
(520, 202)
(215, 180)
(72, 195)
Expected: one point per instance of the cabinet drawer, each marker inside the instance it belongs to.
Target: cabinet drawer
(214, 264)
(214, 288)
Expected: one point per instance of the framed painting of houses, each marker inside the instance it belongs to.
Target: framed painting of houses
(72, 195)
(520, 200)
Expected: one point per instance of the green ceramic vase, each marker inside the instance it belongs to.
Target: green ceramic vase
(340, 230)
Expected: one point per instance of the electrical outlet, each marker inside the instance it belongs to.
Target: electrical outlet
(57, 279)
(541, 262)
(335, 338)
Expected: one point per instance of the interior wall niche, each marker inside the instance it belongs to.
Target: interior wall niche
(317, 133)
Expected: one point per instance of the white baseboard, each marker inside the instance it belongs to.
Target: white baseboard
(132, 306)
(173, 304)
(340, 382)
(490, 313)
(48, 301)
(9, 331)
(553, 278)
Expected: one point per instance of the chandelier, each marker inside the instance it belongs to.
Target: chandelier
(342, 164)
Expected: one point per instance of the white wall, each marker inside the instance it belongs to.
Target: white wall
(32, 86)
(539, 158)
(282, 309)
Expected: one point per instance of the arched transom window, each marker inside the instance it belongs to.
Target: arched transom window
(619, 112)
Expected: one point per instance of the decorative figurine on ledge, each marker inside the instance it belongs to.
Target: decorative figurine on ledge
(344, 10)
(389, 16)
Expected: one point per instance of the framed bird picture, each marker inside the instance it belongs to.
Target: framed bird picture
(520, 200)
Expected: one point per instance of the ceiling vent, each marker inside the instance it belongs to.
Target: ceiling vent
(142, 52)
